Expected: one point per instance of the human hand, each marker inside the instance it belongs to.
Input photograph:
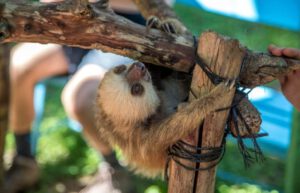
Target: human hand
(290, 83)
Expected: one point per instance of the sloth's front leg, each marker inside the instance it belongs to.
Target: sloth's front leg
(167, 24)
(160, 15)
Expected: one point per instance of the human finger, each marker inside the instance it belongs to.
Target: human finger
(274, 50)
(291, 53)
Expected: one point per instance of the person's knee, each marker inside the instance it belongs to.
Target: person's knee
(23, 66)
(68, 101)
(18, 70)
(78, 100)
(20, 76)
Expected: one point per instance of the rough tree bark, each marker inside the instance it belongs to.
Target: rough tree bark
(4, 97)
(102, 29)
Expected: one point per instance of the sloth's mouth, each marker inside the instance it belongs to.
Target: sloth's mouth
(137, 72)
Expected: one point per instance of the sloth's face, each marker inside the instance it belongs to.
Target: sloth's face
(136, 75)
(127, 93)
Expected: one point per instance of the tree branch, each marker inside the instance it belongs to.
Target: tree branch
(99, 28)
(261, 68)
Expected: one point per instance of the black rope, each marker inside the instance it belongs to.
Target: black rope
(213, 77)
(213, 155)
(249, 154)
(256, 149)
(236, 101)
(184, 151)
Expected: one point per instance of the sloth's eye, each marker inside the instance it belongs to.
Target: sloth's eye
(119, 69)
(137, 89)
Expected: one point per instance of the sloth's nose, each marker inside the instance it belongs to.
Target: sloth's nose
(136, 72)
(140, 66)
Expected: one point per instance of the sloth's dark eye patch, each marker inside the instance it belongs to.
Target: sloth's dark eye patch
(137, 89)
(119, 69)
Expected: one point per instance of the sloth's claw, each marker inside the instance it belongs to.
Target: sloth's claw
(168, 27)
(153, 22)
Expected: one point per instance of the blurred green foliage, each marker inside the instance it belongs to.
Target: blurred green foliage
(64, 156)
(243, 188)
(253, 35)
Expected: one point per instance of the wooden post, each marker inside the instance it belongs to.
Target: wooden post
(292, 174)
(4, 97)
(224, 56)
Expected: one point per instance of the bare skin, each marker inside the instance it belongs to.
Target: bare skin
(78, 100)
(290, 83)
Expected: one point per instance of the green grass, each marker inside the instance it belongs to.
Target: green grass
(254, 36)
(64, 156)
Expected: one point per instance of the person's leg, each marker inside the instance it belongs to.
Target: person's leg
(30, 63)
(78, 100)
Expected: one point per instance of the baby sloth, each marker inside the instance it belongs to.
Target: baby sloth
(143, 121)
